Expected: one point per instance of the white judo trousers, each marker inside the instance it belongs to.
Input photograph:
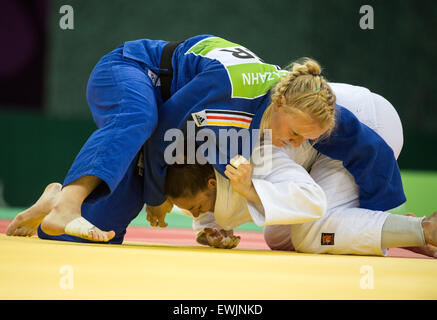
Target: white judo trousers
(345, 228)
(310, 201)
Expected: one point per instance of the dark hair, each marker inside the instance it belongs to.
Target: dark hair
(184, 180)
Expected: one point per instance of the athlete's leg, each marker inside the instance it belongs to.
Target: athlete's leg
(349, 229)
(68, 208)
(389, 126)
(122, 100)
(429, 225)
(112, 211)
(278, 237)
(345, 228)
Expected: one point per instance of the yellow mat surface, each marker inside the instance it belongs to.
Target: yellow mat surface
(31, 268)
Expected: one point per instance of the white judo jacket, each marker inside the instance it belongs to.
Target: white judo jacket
(288, 193)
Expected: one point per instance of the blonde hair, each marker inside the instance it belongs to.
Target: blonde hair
(306, 90)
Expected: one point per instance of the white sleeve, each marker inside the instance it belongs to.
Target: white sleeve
(205, 220)
(288, 193)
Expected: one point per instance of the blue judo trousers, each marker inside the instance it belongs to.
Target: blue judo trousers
(211, 76)
(123, 102)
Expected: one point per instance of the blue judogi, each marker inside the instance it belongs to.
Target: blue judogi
(125, 100)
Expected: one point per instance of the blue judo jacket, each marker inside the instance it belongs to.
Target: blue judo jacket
(220, 85)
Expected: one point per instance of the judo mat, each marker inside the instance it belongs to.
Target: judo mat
(166, 264)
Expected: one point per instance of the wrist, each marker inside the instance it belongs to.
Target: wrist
(252, 195)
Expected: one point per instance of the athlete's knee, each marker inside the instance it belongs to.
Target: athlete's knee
(278, 237)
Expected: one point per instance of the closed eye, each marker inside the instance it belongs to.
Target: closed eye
(293, 133)
(192, 208)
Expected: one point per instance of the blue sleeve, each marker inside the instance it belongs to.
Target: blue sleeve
(155, 170)
(368, 158)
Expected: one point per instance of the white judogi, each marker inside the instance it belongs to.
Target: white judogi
(289, 195)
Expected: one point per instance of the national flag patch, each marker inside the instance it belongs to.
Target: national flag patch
(223, 118)
(327, 239)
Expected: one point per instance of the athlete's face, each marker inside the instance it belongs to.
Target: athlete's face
(203, 201)
(293, 128)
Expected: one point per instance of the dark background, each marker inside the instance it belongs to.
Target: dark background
(44, 117)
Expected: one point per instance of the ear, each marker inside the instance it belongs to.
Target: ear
(212, 183)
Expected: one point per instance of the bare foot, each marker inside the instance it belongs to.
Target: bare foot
(26, 222)
(428, 250)
(430, 235)
(63, 213)
(429, 225)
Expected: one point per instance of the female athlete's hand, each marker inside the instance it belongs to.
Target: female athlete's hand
(218, 238)
(156, 214)
(241, 181)
(240, 177)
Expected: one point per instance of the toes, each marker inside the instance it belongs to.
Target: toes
(91, 235)
(29, 232)
(15, 229)
(95, 235)
(14, 225)
(110, 234)
(98, 235)
(11, 229)
(21, 232)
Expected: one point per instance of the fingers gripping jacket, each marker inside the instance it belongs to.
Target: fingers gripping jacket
(237, 160)
(79, 227)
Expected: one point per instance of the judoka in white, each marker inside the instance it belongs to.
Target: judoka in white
(309, 201)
